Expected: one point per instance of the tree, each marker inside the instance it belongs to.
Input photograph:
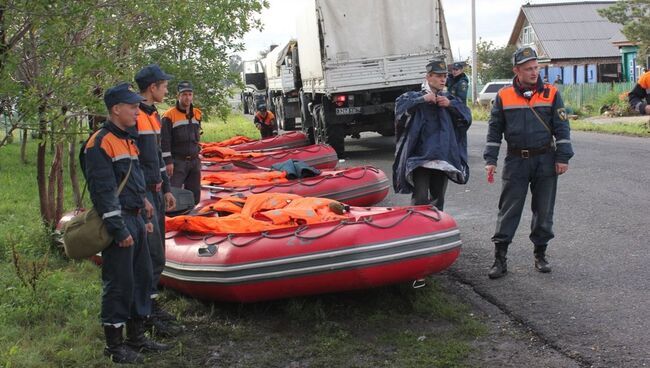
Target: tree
(493, 62)
(634, 15)
(56, 55)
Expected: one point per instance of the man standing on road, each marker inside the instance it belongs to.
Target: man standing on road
(265, 121)
(181, 132)
(457, 83)
(431, 132)
(110, 155)
(639, 97)
(529, 114)
(152, 82)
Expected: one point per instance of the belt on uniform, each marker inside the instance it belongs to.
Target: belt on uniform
(185, 158)
(131, 211)
(529, 152)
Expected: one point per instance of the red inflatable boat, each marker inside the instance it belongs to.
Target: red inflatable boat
(373, 247)
(286, 140)
(320, 156)
(355, 186)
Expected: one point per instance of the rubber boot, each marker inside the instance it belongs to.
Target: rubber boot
(159, 327)
(541, 264)
(158, 312)
(136, 339)
(117, 350)
(500, 266)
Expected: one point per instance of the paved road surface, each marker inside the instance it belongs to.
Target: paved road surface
(594, 308)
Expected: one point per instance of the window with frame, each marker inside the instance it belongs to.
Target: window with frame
(527, 36)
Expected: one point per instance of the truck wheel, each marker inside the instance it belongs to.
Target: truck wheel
(280, 112)
(244, 102)
(319, 137)
(333, 134)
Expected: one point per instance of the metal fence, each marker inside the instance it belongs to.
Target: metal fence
(577, 96)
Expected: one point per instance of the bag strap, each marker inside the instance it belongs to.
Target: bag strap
(123, 183)
(540, 120)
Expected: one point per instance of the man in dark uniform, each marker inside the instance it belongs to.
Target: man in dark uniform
(265, 121)
(639, 97)
(152, 82)
(181, 132)
(528, 114)
(431, 134)
(109, 156)
(458, 83)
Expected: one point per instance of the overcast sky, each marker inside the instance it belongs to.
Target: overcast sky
(494, 22)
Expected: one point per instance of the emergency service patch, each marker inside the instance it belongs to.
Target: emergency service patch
(463, 87)
(561, 113)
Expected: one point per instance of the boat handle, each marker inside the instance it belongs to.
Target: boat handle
(208, 251)
(419, 283)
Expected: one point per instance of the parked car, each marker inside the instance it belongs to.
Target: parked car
(489, 92)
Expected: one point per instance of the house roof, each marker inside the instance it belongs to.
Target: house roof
(570, 30)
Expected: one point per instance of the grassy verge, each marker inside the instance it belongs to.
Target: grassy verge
(49, 311)
(630, 129)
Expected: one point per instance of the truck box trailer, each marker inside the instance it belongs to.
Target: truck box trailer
(356, 57)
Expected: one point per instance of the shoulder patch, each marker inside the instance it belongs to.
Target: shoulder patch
(561, 113)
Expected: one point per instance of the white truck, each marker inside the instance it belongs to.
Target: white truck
(254, 79)
(283, 84)
(356, 57)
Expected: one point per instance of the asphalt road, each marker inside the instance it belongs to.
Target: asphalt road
(594, 308)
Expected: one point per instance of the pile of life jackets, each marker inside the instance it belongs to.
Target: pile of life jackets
(217, 154)
(243, 179)
(259, 212)
(238, 139)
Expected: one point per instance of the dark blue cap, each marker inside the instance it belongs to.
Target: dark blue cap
(437, 66)
(458, 65)
(150, 74)
(523, 55)
(261, 107)
(121, 93)
(185, 86)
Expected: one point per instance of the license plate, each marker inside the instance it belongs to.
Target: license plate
(348, 110)
(292, 99)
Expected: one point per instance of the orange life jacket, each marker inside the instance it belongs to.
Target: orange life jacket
(227, 154)
(266, 120)
(238, 139)
(237, 179)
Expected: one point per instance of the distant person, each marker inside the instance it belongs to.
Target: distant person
(458, 83)
(639, 98)
(528, 114)
(545, 80)
(265, 122)
(558, 80)
(431, 133)
(181, 133)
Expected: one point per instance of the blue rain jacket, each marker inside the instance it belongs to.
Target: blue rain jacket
(430, 136)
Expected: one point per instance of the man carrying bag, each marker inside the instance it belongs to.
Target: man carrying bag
(110, 155)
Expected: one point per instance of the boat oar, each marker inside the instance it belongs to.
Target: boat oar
(214, 187)
(249, 166)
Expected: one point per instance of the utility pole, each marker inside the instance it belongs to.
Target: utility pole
(474, 61)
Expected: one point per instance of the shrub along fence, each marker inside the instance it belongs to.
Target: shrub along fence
(593, 96)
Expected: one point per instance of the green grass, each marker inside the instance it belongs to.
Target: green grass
(480, 113)
(630, 129)
(56, 324)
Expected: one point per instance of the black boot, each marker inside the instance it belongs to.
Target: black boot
(136, 339)
(500, 266)
(117, 350)
(541, 264)
(158, 312)
(159, 327)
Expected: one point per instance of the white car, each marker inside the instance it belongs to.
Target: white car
(489, 92)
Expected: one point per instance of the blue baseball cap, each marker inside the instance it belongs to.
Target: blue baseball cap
(437, 66)
(458, 65)
(121, 93)
(150, 74)
(523, 55)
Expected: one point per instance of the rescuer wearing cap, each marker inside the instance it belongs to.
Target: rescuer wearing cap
(530, 115)
(457, 82)
(181, 132)
(265, 121)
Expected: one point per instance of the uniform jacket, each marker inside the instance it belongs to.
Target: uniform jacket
(148, 128)
(105, 162)
(458, 86)
(181, 133)
(639, 97)
(268, 120)
(430, 136)
(512, 118)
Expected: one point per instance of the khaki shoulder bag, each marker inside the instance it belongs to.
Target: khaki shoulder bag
(85, 234)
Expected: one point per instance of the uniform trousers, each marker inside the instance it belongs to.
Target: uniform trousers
(187, 174)
(429, 187)
(126, 276)
(156, 238)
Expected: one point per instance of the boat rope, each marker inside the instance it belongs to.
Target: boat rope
(298, 233)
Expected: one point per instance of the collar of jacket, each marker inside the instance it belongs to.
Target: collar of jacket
(148, 109)
(460, 76)
(539, 87)
(124, 134)
(179, 108)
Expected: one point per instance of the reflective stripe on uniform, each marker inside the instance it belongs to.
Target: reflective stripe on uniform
(493, 144)
(166, 154)
(111, 214)
(563, 141)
